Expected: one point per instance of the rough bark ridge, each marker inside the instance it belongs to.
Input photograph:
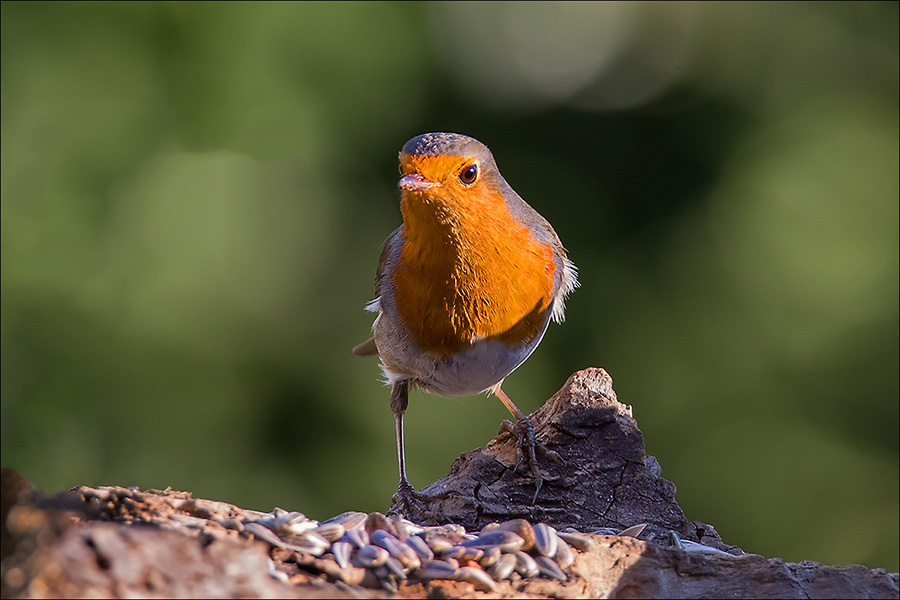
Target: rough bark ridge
(115, 542)
(605, 479)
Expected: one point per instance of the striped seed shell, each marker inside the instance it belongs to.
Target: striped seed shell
(523, 529)
(398, 550)
(481, 580)
(419, 547)
(526, 566)
(489, 527)
(634, 531)
(405, 528)
(407, 556)
(292, 523)
(309, 542)
(689, 546)
(491, 555)
(380, 537)
(578, 541)
(436, 569)
(330, 531)
(564, 555)
(675, 541)
(350, 519)
(264, 533)
(372, 556)
(357, 537)
(507, 541)
(376, 521)
(549, 568)
(342, 551)
(463, 554)
(503, 568)
(545, 540)
(439, 544)
(395, 567)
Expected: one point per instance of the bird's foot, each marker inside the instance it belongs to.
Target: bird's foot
(527, 448)
(410, 503)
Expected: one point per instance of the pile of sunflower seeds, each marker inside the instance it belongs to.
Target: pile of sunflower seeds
(373, 550)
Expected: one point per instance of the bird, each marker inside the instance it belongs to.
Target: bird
(465, 288)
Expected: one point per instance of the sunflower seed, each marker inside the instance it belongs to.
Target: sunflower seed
(689, 546)
(526, 566)
(577, 540)
(675, 541)
(407, 556)
(564, 555)
(436, 569)
(507, 541)
(376, 521)
(545, 540)
(341, 552)
(395, 567)
(405, 528)
(330, 531)
(419, 547)
(481, 580)
(372, 556)
(605, 531)
(439, 545)
(357, 537)
(308, 544)
(380, 537)
(400, 551)
(463, 554)
(350, 519)
(633, 531)
(281, 521)
(264, 533)
(489, 528)
(503, 568)
(549, 568)
(522, 528)
(491, 555)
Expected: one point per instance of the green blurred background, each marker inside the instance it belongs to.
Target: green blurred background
(194, 198)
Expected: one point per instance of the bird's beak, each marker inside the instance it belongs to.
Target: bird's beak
(415, 183)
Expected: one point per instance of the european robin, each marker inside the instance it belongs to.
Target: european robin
(465, 287)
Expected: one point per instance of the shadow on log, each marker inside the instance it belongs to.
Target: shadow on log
(116, 542)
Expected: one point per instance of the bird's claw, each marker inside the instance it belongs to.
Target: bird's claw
(411, 504)
(526, 448)
(405, 496)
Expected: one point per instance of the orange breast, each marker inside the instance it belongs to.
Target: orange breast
(469, 271)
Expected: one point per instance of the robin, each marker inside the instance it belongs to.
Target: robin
(465, 287)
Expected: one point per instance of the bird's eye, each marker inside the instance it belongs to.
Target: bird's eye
(469, 174)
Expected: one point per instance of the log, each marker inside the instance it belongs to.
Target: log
(116, 542)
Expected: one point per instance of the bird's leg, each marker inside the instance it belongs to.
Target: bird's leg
(399, 401)
(524, 431)
(404, 499)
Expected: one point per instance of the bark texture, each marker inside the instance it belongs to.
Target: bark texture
(125, 542)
